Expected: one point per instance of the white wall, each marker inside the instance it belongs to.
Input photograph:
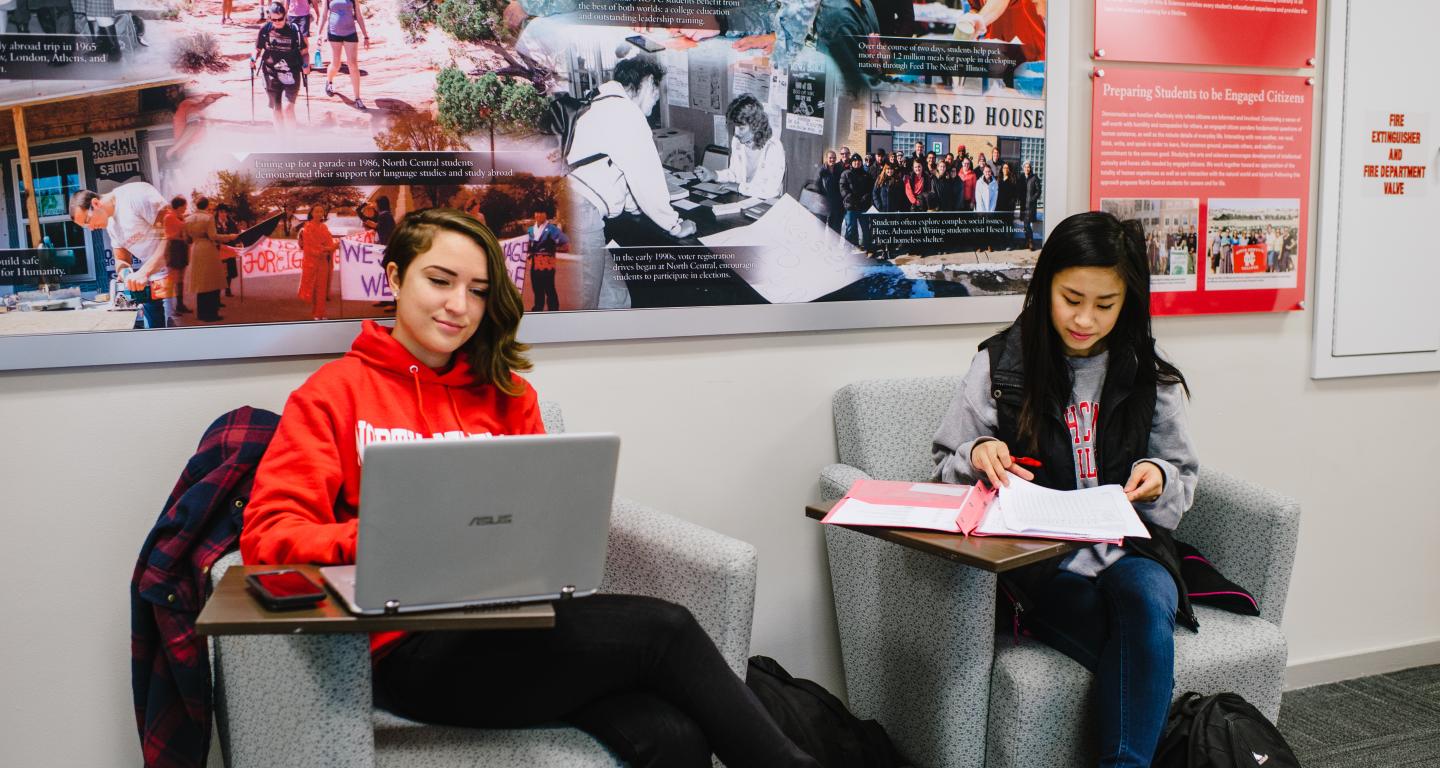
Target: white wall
(728, 432)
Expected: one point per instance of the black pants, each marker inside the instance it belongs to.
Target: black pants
(207, 306)
(638, 674)
(543, 285)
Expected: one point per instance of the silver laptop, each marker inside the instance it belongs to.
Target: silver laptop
(490, 521)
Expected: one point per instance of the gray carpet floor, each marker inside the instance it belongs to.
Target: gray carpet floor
(1384, 720)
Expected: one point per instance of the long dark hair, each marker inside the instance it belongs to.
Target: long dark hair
(1092, 239)
(494, 352)
(746, 110)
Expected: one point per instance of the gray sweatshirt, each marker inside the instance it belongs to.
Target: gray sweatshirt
(972, 417)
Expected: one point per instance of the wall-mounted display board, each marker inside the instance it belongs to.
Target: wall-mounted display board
(226, 212)
(1216, 166)
(1247, 33)
(1378, 258)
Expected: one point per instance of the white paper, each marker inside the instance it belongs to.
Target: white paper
(798, 258)
(856, 512)
(685, 205)
(1102, 512)
(677, 78)
(779, 83)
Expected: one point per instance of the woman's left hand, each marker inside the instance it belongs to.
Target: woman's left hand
(1145, 483)
(366, 38)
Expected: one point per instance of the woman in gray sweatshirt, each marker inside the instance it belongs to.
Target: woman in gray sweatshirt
(1076, 388)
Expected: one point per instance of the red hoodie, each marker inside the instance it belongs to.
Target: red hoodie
(307, 487)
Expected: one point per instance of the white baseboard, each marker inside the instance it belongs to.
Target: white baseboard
(1351, 665)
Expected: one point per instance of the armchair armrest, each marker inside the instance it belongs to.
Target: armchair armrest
(713, 575)
(1248, 532)
(836, 479)
(288, 700)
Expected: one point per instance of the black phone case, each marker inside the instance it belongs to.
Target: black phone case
(275, 603)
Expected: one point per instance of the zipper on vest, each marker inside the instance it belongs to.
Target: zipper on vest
(1015, 610)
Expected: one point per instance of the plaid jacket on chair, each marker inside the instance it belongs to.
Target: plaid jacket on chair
(169, 663)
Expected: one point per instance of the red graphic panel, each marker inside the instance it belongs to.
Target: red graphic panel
(1215, 166)
(1256, 33)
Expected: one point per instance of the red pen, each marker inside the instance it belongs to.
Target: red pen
(1026, 461)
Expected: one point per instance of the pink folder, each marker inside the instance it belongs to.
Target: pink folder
(970, 505)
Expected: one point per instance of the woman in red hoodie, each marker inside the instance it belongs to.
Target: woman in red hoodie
(637, 673)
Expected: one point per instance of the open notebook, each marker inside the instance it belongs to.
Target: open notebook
(1101, 514)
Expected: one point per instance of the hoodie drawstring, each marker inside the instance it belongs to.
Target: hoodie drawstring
(420, 403)
(419, 400)
(456, 410)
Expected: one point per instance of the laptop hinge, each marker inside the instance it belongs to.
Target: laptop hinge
(567, 591)
(392, 607)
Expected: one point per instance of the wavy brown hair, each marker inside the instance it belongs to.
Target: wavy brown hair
(493, 351)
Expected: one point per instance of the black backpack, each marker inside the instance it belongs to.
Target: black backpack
(818, 722)
(559, 118)
(1220, 731)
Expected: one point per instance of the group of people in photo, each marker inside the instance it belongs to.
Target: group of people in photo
(1158, 247)
(886, 181)
(1282, 246)
(170, 251)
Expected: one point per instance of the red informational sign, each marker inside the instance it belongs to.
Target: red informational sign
(1255, 33)
(1216, 167)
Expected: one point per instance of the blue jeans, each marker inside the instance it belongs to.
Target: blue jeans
(1121, 626)
(152, 313)
(854, 228)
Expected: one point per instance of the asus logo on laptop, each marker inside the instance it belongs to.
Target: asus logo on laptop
(492, 520)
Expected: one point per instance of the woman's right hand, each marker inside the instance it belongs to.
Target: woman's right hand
(704, 174)
(993, 458)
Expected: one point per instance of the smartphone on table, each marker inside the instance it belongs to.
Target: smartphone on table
(284, 590)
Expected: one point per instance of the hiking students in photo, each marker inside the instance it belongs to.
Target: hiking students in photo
(344, 28)
(281, 54)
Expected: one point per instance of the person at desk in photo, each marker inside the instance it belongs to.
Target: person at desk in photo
(617, 171)
(131, 214)
(1082, 344)
(637, 673)
(757, 161)
(756, 157)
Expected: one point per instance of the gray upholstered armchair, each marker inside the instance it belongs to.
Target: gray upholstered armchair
(917, 634)
(307, 699)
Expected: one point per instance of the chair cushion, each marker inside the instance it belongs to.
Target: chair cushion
(401, 743)
(1041, 700)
